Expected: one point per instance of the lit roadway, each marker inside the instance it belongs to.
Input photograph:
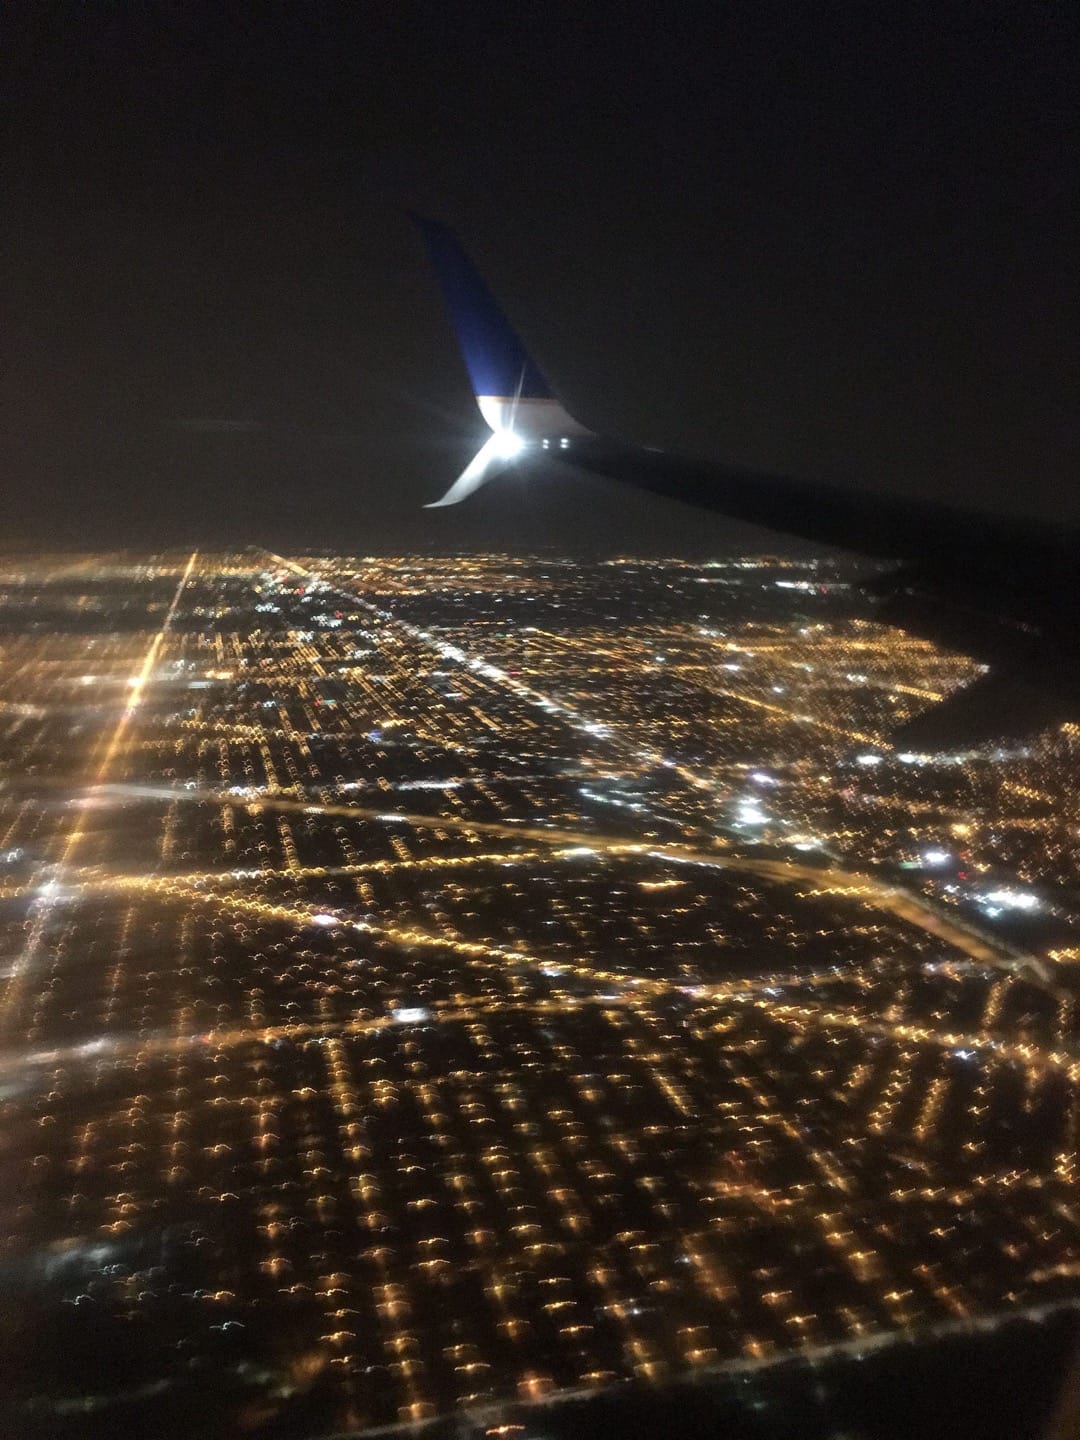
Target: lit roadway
(880, 894)
(858, 1348)
(206, 887)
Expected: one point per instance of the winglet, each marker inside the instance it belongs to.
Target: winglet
(497, 361)
(478, 472)
(511, 391)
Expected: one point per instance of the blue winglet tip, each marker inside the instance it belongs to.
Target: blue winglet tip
(497, 361)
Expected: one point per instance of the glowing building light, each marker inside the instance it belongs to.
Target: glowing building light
(994, 901)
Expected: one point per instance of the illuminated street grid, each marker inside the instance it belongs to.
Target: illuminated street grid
(433, 983)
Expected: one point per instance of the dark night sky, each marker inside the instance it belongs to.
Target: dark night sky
(830, 240)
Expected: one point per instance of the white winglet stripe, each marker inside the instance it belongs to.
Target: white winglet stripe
(473, 476)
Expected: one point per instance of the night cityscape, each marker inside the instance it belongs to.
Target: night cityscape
(438, 987)
(540, 721)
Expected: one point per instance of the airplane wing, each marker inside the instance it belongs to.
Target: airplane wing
(1000, 588)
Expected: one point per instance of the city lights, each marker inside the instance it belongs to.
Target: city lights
(439, 985)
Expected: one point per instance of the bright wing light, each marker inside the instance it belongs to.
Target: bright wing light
(507, 444)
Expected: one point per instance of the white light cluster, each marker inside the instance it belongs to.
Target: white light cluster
(993, 902)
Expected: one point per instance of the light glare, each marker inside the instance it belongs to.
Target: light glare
(507, 444)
